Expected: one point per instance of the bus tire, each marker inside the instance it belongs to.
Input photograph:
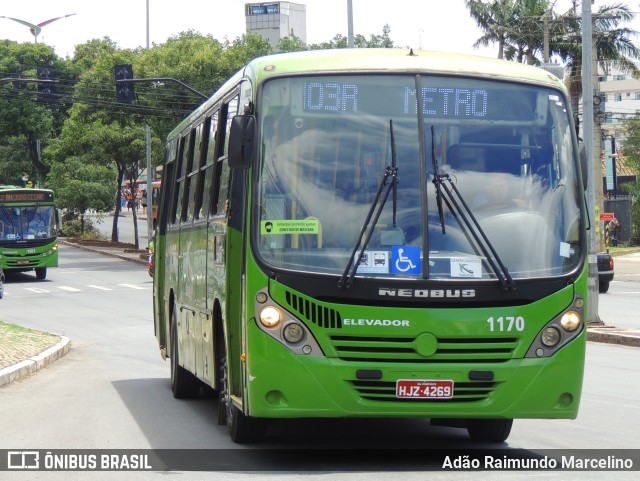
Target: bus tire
(242, 428)
(184, 385)
(41, 273)
(489, 430)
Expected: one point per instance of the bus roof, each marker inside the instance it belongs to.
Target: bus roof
(393, 60)
(15, 187)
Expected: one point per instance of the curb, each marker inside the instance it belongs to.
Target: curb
(35, 363)
(104, 252)
(623, 338)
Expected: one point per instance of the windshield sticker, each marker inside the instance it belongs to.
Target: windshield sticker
(405, 260)
(565, 249)
(373, 262)
(302, 226)
(463, 267)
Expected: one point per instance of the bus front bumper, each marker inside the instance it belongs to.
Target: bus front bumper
(281, 384)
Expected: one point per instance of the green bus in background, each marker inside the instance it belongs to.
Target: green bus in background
(29, 224)
(376, 233)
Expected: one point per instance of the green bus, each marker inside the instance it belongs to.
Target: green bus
(376, 233)
(29, 224)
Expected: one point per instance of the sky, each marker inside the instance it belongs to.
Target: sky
(428, 24)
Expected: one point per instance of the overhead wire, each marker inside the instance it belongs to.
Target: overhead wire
(164, 100)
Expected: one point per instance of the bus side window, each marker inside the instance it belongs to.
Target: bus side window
(179, 193)
(222, 170)
(174, 158)
(187, 161)
(209, 156)
(192, 179)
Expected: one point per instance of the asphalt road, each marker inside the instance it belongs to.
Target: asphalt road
(620, 306)
(112, 391)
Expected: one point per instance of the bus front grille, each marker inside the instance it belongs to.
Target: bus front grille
(312, 311)
(30, 243)
(404, 350)
(372, 390)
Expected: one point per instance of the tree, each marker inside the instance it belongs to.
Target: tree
(80, 186)
(632, 159)
(27, 124)
(291, 44)
(515, 25)
(496, 19)
(613, 44)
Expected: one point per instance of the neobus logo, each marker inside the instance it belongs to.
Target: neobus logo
(427, 293)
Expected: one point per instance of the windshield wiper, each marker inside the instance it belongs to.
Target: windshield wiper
(461, 211)
(389, 181)
(436, 177)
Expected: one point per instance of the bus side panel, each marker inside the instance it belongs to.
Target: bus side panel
(216, 278)
(172, 254)
(236, 310)
(161, 299)
(192, 302)
(187, 315)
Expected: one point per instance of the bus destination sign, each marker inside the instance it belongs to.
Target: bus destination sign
(25, 196)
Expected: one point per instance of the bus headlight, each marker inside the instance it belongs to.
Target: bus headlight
(570, 321)
(293, 332)
(270, 316)
(550, 336)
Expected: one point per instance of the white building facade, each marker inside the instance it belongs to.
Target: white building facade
(274, 20)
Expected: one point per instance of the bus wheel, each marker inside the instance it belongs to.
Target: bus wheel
(41, 273)
(242, 428)
(183, 384)
(489, 430)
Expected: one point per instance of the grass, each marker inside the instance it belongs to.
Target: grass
(620, 250)
(19, 343)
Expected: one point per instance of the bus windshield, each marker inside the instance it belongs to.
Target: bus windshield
(27, 222)
(327, 141)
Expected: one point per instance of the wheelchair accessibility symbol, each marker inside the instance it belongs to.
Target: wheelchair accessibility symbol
(405, 260)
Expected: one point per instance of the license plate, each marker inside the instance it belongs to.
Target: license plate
(22, 262)
(424, 388)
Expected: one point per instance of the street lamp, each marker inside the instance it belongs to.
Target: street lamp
(36, 29)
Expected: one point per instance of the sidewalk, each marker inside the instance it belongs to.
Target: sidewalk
(24, 351)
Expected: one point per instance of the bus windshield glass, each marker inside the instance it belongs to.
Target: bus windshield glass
(27, 223)
(327, 141)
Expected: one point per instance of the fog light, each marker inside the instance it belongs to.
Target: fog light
(550, 337)
(293, 332)
(261, 297)
(570, 321)
(270, 316)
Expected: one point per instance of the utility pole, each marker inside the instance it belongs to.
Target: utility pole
(588, 134)
(350, 23)
(147, 135)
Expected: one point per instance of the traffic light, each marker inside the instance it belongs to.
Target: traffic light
(47, 88)
(124, 90)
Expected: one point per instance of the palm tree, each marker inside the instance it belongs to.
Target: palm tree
(613, 45)
(517, 27)
(495, 20)
(514, 24)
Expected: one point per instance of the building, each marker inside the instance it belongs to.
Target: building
(274, 20)
(619, 100)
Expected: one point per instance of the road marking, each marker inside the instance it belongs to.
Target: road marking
(102, 288)
(37, 290)
(69, 289)
(131, 286)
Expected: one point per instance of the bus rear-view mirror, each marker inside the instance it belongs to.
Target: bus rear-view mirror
(241, 141)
